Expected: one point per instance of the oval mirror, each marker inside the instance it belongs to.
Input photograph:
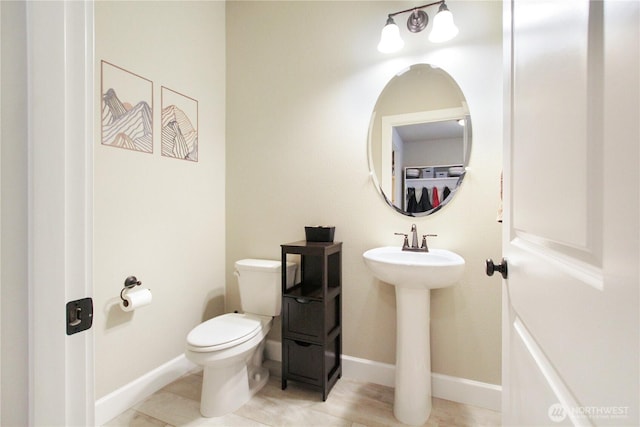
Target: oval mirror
(419, 140)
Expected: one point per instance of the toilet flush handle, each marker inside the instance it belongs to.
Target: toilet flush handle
(236, 273)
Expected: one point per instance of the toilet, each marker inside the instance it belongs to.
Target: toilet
(230, 347)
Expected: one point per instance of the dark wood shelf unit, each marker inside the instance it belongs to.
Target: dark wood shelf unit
(312, 316)
(313, 294)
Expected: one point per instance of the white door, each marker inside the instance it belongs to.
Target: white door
(60, 120)
(570, 303)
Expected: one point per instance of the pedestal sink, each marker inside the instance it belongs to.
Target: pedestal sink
(413, 274)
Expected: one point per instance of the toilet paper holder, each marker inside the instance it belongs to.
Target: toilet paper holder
(129, 283)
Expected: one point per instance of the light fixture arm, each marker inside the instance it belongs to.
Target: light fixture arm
(391, 15)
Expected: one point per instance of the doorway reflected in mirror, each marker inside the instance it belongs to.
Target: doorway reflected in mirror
(419, 140)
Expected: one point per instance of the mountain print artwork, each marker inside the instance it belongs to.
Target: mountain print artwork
(179, 126)
(126, 124)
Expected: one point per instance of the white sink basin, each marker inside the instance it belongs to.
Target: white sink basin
(437, 268)
(414, 274)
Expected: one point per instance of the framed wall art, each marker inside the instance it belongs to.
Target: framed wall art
(127, 109)
(179, 125)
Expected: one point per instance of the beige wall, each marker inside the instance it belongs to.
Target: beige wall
(302, 80)
(159, 218)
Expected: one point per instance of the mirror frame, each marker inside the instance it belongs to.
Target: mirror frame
(388, 122)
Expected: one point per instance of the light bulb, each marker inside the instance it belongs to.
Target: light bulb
(390, 40)
(443, 27)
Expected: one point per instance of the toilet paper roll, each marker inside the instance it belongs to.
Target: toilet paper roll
(136, 298)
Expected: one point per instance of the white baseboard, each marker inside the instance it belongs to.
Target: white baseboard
(446, 387)
(118, 401)
(469, 392)
(456, 389)
(368, 371)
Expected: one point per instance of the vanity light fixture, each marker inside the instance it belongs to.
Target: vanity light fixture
(443, 27)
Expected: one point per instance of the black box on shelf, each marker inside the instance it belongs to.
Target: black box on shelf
(319, 234)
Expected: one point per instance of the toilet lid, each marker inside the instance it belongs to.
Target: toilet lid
(224, 331)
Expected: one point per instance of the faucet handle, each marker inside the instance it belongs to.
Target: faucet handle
(424, 241)
(405, 244)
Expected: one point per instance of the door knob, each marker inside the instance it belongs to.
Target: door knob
(500, 268)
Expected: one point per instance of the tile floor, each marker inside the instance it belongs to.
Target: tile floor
(350, 403)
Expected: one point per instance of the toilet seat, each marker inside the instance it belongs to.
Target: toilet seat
(222, 332)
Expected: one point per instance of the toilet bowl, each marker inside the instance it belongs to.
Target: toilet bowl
(231, 359)
(230, 347)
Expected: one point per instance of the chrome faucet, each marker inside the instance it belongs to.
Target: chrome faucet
(414, 240)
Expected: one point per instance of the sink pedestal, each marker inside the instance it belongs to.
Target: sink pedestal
(412, 401)
(413, 274)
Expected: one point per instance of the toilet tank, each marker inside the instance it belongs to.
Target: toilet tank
(260, 284)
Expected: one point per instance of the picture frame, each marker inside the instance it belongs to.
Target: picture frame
(126, 109)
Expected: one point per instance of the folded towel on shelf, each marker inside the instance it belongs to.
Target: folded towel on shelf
(456, 170)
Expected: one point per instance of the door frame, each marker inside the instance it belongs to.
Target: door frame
(60, 55)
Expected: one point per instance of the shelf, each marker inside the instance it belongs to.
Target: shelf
(312, 316)
(313, 294)
(433, 182)
(303, 247)
(435, 168)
